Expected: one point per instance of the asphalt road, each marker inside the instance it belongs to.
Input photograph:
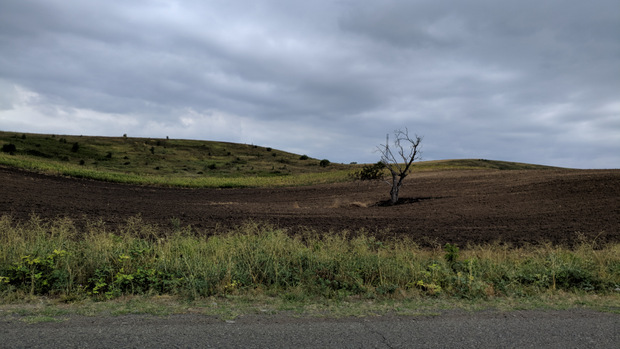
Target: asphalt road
(517, 329)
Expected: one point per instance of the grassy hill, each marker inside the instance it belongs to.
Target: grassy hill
(189, 163)
(477, 164)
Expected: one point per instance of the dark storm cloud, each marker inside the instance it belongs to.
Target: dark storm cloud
(532, 81)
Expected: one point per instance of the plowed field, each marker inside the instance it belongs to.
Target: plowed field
(469, 206)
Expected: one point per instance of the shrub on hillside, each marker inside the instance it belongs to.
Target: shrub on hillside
(370, 172)
(324, 163)
(9, 148)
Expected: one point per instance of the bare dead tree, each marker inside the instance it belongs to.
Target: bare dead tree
(399, 164)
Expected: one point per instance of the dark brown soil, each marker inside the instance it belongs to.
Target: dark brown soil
(515, 207)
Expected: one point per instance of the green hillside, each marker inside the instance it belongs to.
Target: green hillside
(192, 163)
(189, 160)
(477, 164)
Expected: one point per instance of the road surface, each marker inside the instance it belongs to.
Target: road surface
(455, 329)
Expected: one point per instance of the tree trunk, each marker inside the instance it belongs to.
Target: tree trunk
(395, 189)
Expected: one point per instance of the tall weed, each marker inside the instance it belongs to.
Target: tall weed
(55, 258)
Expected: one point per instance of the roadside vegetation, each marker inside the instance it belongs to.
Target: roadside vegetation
(59, 260)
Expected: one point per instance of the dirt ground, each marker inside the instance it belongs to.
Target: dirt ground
(514, 207)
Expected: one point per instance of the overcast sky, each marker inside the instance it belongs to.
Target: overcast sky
(531, 80)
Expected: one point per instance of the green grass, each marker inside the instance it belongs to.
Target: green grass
(37, 309)
(170, 162)
(188, 163)
(476, 164)
(58, 260)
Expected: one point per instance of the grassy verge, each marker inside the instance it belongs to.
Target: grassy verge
(43, 309)
(56, 261)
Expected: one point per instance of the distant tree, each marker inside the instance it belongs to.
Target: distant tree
(407, 151)
(324, 163)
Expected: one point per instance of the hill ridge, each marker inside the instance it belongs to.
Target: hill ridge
(185, 162)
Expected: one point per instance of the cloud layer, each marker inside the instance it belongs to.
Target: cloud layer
(530, 81)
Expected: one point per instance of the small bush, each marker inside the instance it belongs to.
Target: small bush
(9, 148)
(324, 163)
(75, 147)
(370, 172)
(452, 253)
(38, 274)
(303, 157)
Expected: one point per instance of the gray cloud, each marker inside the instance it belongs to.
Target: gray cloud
(532, 81)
